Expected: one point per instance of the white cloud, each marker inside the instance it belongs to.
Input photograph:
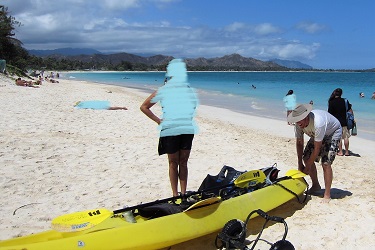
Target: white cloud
(262, 29)
(235, 27)
(93, 24)
(293, 50)
(266, 29)
(310, 28)
(120, 4)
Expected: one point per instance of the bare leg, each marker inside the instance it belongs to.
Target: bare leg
(183, 169)
(340, 148)
(328, 177)
(314, 178)
(346, 143)
(173, 160)
(117, 108)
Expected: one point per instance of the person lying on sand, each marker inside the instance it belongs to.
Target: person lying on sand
(52, 80)
(97, 105)
(21, 82)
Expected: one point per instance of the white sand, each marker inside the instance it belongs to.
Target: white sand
(55, 160)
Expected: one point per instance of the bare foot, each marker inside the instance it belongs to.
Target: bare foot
(314, 190)
(325, 200)
(340, 154)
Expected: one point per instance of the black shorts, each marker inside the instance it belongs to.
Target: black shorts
(173, 144)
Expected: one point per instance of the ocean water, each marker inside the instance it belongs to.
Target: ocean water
(235, 91)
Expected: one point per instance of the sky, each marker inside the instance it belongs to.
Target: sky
(325, 34)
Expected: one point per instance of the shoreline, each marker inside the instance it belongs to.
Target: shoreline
(228, 71)
(249, 104)
(56, 160)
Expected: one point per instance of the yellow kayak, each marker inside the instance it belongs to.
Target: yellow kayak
(205, 217)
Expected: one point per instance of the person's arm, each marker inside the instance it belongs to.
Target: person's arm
(145, 108)
(299, 147)
(350, 107)
(351, 111)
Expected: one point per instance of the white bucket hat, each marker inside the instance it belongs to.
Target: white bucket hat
(299, 113)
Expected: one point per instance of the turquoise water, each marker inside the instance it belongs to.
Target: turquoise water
(234, 91)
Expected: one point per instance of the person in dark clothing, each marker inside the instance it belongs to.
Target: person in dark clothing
(337, 108)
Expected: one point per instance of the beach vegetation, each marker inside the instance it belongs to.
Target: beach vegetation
(14, 71)
(11, 48)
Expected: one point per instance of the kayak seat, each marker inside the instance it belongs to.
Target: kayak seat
(226, 176)
(159, 210)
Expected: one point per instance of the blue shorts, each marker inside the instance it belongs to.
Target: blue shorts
(173, 144)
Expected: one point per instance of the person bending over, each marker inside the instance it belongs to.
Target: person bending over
(325, 132)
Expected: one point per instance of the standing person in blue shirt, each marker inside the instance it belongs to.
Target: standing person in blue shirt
(290, 102)
(177, 126)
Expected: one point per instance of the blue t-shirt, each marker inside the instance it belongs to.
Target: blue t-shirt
(93, 105)
(179, 102)
(290, 102)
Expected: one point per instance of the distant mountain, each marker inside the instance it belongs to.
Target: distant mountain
(65, 52)
(291, 64)
(228, 62)
(235, 61)
(115, 59)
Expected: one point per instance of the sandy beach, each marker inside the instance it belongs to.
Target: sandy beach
(56, 159)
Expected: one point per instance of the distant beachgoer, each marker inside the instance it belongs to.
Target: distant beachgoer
(290, 102)
(254, 87)
(373, 96)
(165, 80)
(361, 94)
(337, 108)
(177, 126)
(97, 105)
(325, 132)
(53, 81)
(40, 80)
(21, 82)
(311, 102)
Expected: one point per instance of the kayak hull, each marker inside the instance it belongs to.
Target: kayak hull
(116, 233)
